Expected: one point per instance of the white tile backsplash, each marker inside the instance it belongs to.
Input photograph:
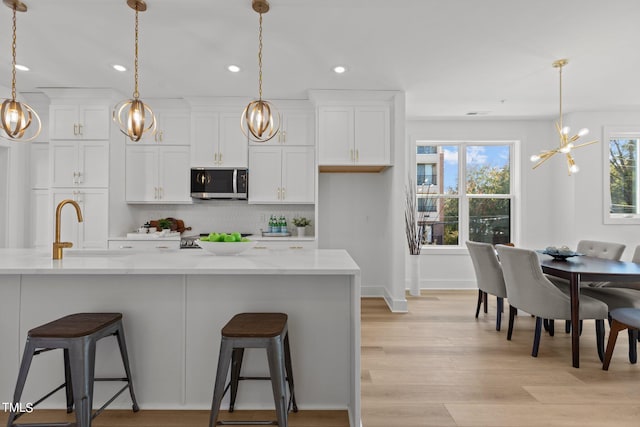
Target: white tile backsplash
(220, 215)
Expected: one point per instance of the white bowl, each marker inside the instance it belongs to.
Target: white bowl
(225, 248)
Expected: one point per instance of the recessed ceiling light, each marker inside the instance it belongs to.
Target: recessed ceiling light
(22, 67)
(339, 69)
(233, 68)
(118, 67)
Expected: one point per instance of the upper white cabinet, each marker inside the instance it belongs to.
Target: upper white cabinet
(281, 174)
(157, 174)
(79, 164)
(354, 136)
(172, 128)
(296, 128)
(73, 121)
(217, 140)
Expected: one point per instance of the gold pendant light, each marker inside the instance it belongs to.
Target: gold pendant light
(17, 117)
(133, 116)
(260, 121)
(566, 141)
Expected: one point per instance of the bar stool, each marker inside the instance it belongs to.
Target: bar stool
(255, 330)
(621, 319)
(77, 335)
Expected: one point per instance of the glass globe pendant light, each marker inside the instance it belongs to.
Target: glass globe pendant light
(566, 141)
(260, 121)
(134, 117)
(17, 117)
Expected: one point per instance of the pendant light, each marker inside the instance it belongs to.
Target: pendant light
(133, 116)
(566, 141)
(17, 117)
(260, 121)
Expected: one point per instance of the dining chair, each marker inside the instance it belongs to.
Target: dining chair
(488, 277)
(630, 285)
(530, 290)
(623, 318)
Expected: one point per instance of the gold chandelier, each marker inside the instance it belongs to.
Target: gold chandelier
(17, 117)
(566, 141)
(133, 116)
(260, 121)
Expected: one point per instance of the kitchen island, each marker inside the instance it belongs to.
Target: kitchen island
(174, 304)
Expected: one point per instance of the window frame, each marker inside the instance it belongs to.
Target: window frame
(608, 133)
(463, 198)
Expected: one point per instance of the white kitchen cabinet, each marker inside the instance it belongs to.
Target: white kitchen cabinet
(217, 140)
(41, 219)
(73, 121)
(92, 232)
(157, 174)
(172, 128)
(286, 244)
(281, 174)
(39, 165)
(79, 164)
(156, 245)
(354, 136)
(296, 128)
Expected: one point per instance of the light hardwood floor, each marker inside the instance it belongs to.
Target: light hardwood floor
(439, 366)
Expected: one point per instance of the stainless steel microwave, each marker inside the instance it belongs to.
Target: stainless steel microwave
(219, 183)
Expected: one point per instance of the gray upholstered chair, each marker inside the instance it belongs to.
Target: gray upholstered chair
(530, 290)
(597, 249)
(630, 285)
(489, 277)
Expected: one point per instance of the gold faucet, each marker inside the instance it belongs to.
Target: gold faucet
(57, 244)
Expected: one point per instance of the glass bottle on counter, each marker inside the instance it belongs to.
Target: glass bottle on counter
(283, 225)
(272, 225)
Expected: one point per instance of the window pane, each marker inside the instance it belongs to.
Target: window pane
(427, 149)
(623, 175)
(450, 159)
(439, 220)
(426, 174)
(490, 220)
(488, 169)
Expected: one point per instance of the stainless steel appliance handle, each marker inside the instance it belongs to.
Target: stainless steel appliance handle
(235, 180)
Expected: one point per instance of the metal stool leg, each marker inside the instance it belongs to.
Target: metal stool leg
(224, 359)
(125, 361)
(27, 356)
(82, 376)
(277, 370)
(68, 387)
(236, 367)
(289, 368)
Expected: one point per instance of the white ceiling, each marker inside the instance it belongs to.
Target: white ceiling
(451, 57)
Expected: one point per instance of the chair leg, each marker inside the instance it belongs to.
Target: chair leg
(499, 313)
(224, 359)
(633, 345)
(485, 297)
(616, 327)
(236, 367)
(122, 343)
(82, 379)
(545, 324)
(567, 326)
(536, 337)
(27, 357)
(512, 317)
(68, 386)
(552, 327)
(600, 338)
(479, 303)
(275, 351)
(288, 366)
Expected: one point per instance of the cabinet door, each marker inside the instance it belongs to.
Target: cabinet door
(335, 136)
(40, 219)
(64, 164)
(296, 129)
(141, 176)
(174, 178)
(68, 217)
(204, 139)
(233, 144)
(94, 122)
(298, 175)
(173, 128)
(265, 164)
(63, 121)
(93, 231)
(372, 136)
(93, 164)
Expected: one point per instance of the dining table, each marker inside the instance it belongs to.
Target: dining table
(580, 269)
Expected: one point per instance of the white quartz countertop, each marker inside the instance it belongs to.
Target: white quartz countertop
(187, 261)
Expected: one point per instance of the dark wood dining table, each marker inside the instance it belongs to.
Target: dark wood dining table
(589, 269)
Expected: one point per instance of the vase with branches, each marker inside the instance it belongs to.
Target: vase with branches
(414, 230)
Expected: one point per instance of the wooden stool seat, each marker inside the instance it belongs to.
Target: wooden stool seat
(75, 325)
(255, 325)
(621, 319)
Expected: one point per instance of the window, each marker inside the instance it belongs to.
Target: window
(481, 209)
(621, 176)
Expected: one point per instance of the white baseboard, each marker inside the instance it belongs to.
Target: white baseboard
(395, 305)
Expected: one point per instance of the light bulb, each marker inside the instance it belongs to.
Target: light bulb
(583, 132)
(12, 116)
(574, 168)
(534, 158)
(566, 130)
(565, 148)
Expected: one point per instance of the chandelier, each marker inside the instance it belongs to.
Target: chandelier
(260, 121)
(133, 116)
(566, 141)
(17, 117)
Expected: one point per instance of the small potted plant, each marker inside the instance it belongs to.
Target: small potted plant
(301, 223)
